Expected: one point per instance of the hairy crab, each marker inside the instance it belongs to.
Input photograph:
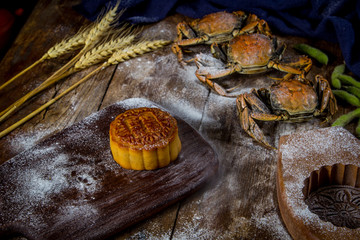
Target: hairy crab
(218, 28)
(294, 99)
(250, 54)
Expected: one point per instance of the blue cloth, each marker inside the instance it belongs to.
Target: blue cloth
(330, 20)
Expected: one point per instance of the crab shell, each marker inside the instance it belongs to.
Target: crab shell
(294, 97)
(252, 52)
(218, 25)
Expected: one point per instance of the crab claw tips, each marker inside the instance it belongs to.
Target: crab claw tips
(271, 147)
(190, 60)
(275, 78)
(247, 123)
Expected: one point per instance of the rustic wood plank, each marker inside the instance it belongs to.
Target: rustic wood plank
(72, 188)
(241, 201)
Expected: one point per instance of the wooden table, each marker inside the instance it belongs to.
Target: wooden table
(240, 202)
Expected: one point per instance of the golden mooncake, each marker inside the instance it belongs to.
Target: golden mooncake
(144, 139)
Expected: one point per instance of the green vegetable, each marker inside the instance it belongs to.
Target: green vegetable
(348, 97)
(357, 129)
(346, 79)
(345, 119)
(353, 90)
(315, 53)
(335, 82)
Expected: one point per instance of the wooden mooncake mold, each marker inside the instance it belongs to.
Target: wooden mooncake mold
(318, 182)
(333, 193)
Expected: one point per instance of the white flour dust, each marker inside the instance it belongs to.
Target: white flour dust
(19, 143)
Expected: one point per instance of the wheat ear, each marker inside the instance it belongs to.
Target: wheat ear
(102, 27)
(93, 36)
(59, 49)
(136, 50)
(117, 57)
(102, 52)
(68, 45)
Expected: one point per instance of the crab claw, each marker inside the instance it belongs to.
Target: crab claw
(178, 52)
(216, 87)
(247, 122)
(328, 100)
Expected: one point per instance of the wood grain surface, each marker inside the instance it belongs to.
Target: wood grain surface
(241, 203)
(69, 187)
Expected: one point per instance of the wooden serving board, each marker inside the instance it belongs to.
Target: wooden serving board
(69, 186)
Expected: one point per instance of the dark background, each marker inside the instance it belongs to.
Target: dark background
(13, 15)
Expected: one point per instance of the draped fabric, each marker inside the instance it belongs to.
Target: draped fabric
(331, 20)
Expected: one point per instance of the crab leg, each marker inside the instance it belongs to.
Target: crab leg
(207, 77)
(255, 25)
(259, 110)
(193, 41)
(300, 67)
(178, 52)
(216, 87)
(246, 120)
(218, 52)
(176, 47)
(184, 30)
(328, 99)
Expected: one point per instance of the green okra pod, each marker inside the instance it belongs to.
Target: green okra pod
(335, 81)
(353, 90)
(346, 79)
(315, 53)
(348, 97)
(345, 119)
(357, 129)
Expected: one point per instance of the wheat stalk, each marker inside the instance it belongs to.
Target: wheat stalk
(85, 37)
(65, 46)
(117, 57)
(92, 37)
(95, 35)
(47, 104)
(16, 105)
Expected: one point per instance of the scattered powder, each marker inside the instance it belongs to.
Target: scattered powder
(141, 69)
(271, 222)
(69, 211)
(21, 142)
(188, 112)
(63, 175)
(39, 185)
(136, 103)
(150, 235)
(208, 64)
(194, 230)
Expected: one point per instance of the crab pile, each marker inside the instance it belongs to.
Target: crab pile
(245, 45)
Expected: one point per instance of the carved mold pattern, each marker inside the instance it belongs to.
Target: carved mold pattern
(339, 205)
